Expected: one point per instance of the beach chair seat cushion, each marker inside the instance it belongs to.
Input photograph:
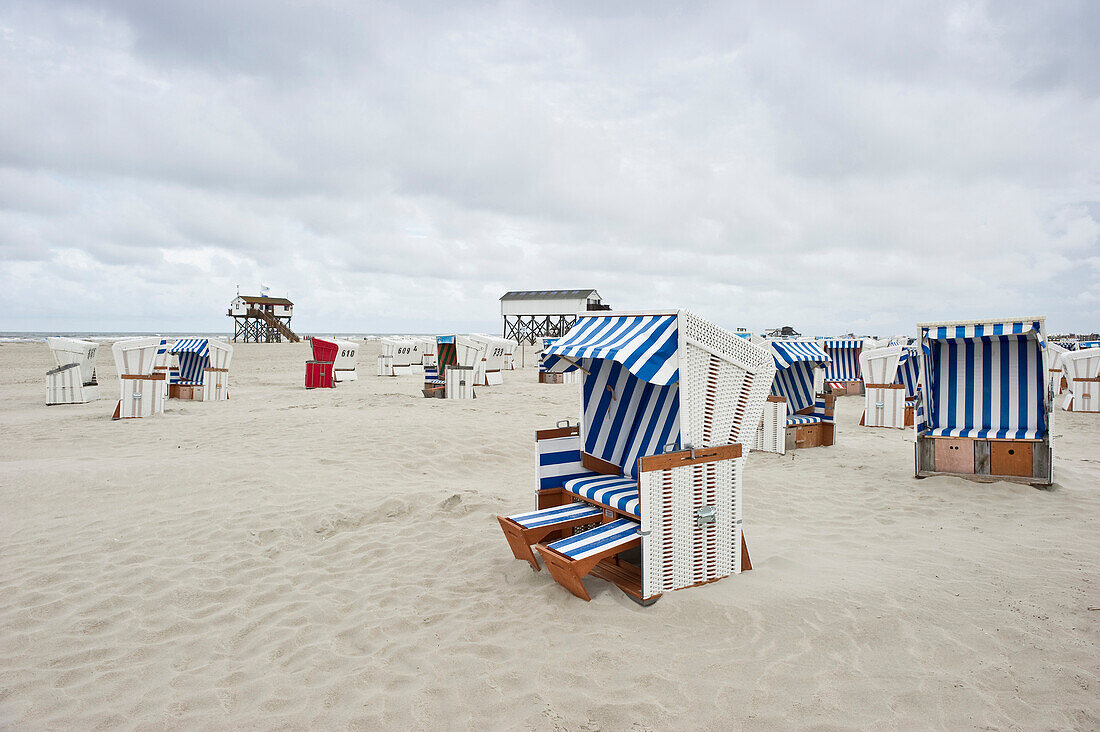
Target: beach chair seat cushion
(557, 515)
(599, 540)
(440, 382)
(610, 490)
(797, 419)
(524, 529)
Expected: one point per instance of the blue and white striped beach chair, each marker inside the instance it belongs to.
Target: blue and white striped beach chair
(842, 371)
(653, 386)
(810, 419)
(984, 408)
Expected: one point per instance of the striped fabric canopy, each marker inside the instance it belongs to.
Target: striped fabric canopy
(546, 343)
(978, 330)
(795, 362)
(908, 371)
(1088, 344)
(830, 343)
(644, 344)
(844, 353)
(194, 356)
(985, 380)
(796, 384)
(625, 417)
(791, 352)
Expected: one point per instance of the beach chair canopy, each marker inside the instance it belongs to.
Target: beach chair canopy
(1088, 344)
(795, 362)
(983, 379)
(73, 351)
(136, 356)
(844, 355)
(880, 365)
(194, 356)
(908, 374)
(631, 396)
(645, 345)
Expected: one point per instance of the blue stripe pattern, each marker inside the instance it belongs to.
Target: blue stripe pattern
(797, 419)
(599, 539)
(792, 352)
(559, 460)
(796, 384)
(844, 353)
(619, 493)
(194, 356)
(645, 344)
(625, 417)
(908, 371)
(557, 515)
(985, 381)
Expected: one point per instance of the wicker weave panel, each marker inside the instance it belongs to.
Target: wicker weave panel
(676, 551)
(723, 385)
(771, 433)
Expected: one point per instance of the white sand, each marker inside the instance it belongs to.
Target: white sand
(331, 558)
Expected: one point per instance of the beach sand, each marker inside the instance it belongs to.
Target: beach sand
(331, 558)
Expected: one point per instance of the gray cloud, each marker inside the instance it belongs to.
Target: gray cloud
(845, 167)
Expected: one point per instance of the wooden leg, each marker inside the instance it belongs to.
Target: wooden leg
(521, 549)
(746, 563)
(568, 572)
(565, 571)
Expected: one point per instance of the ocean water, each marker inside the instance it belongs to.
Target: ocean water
(110, 337)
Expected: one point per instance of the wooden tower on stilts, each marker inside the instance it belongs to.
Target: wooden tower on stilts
(532, 314)
(261, 319)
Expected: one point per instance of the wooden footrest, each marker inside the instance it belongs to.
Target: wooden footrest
(525, 529)
(571, 559)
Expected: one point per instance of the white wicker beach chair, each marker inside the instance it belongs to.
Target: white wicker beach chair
(73, 378)
(141, 390)
(668, 401)
(1082, 377)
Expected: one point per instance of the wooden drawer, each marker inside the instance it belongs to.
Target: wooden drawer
(1010, 458)
(954, 454)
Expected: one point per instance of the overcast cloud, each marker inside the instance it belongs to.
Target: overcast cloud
(397, 167)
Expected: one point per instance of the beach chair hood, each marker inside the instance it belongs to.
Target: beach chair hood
(647, 379)
(795, 364)
(645, 345)
(194, 356)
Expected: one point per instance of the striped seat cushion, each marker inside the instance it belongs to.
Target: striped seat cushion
(556, 515)
(1001, 434)
(435, 381)
(797, 419)
(610, 490)
(597, 540)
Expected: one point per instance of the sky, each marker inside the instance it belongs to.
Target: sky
(396, 167)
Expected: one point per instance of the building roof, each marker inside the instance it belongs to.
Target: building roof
(548, 294)
(265, 300)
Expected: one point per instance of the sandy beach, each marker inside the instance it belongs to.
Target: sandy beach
(331, 559)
